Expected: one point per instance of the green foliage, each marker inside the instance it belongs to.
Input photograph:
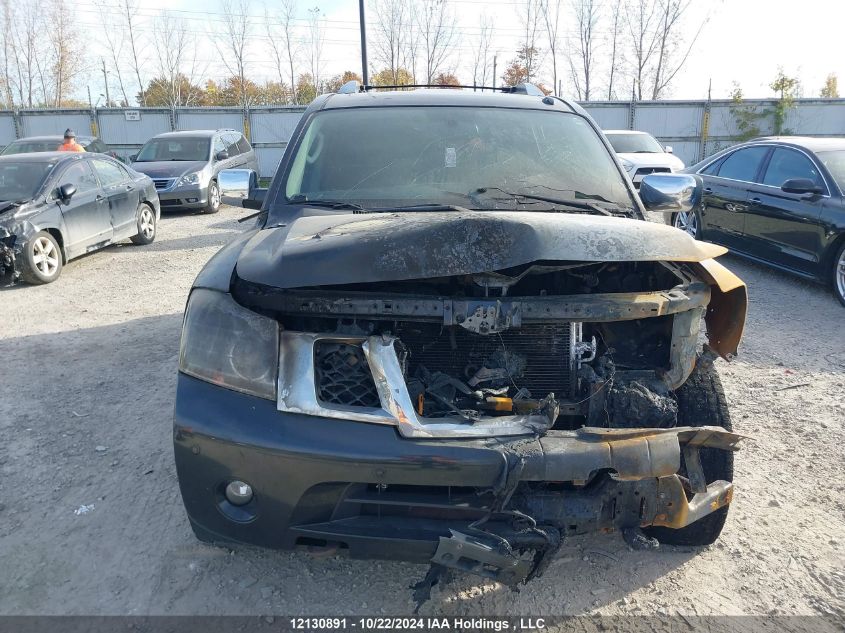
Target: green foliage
(786, 87)
(747, 117)
(387, 77)
(830, 90)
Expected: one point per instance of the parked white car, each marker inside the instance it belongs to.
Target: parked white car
(642, 154)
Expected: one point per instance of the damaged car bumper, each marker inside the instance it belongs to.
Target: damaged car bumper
(365, 489)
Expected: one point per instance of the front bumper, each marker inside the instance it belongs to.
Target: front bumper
(184, 198)
(363, 488)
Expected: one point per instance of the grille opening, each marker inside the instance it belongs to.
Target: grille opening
(422, 502)
(343, 376)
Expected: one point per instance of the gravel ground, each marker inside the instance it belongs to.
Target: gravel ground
(91, 521)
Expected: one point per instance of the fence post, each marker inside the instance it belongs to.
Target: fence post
(16, 121)
(631, 107)
(173, 121)
(705, 131)
(94, 115)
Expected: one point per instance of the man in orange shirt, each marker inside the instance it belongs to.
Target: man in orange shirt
(70, 144)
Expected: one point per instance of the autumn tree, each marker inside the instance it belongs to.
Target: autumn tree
(233, 48)
(518, 71)
(282, 33)
(389, 77)
(436, 24)
(306, 90)
(334, 84)
(830, 90)
(445, 79)
(169, 92)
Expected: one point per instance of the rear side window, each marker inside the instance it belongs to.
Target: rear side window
(109, 173)
(231, 141)
(743, 164)
(80, 176)
(787, 163)
(243, 145)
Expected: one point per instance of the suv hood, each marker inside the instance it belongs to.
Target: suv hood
(656, 159)
(168, 168)
(364, 248)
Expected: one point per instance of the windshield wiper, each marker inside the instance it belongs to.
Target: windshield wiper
(426, 207)
(581, 205)
(322, 202)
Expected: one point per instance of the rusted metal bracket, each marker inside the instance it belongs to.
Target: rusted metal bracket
(481, 557)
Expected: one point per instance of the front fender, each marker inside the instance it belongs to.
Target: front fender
(727, 309)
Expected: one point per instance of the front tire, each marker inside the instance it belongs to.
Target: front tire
(213, 205)
(701, 402)
(147, 226)
(688, 222)
(839, 274)
(42, 259)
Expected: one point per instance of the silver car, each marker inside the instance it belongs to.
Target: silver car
(184, 165)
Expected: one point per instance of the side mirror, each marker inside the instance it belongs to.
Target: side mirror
(668, 149)
(801, 185)
(66, 192)
(133, 158)
(239, 188)
(221, 155)
(671, 193)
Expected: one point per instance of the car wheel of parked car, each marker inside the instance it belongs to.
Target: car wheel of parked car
(687, 221)
(42, 259)
(146, 225)
(839, 274)
(701, 401)
(213, 205)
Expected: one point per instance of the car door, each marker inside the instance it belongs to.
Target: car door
(86, 218)
(785, 228)
(724, 202)
(121, 195)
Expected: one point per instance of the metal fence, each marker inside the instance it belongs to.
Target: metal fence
(695, 129)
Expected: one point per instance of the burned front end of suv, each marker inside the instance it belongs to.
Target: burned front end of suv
(470, 401)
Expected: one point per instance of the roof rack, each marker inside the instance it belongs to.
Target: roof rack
(352, 87)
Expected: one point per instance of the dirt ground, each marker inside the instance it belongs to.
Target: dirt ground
(91, 521)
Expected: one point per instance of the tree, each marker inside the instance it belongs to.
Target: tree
(315, 46)
(786, 87)
(830, 90)
(283, 42)
(233, 50)
(114, 42)
(176, 61)
(551, 18)
(306, 91)
(670, 56)
(393, 36)
(616, 25)
(445, 79)
(746, 117)
(388, 77)
(581, 63)
(169, 92)
(128, 10)
(518, 71)
(481, 52)
(436, 25)
(531, 54)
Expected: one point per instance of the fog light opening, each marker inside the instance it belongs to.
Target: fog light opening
(192, 200)
(238, 493)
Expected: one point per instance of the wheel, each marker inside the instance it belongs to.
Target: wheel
(213, 205)
(701, 401)
(688, 222)
(839, 275)
(42, 259)
(146, 225)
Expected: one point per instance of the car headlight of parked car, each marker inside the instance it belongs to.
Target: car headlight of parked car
(626, 164)
(189, 179)
(228, 345)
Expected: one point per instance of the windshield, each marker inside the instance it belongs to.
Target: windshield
(21, 181)
(26, 147)
(634, 144)
(835, 163)
(472, 157)
(181, 148)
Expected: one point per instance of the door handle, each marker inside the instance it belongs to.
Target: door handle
(755, 201)
(100, 198)
(707, 191)
(130, 188)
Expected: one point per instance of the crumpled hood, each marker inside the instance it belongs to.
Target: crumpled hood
(168, 168)
(656, 159)
(343, 249)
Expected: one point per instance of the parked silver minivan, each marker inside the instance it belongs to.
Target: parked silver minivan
(184, 165)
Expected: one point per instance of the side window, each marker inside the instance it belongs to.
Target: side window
(713, 168)
(231, 141)
(110, 173)
(217, 145)
(80, 176)
(786, 164)
(243, 145)
(743, 164)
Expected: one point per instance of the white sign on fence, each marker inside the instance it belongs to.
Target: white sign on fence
(132, 115)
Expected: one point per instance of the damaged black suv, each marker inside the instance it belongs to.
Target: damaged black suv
(451, 337)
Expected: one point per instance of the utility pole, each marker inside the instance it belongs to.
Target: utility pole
(364, 73)
(90, 103)
(494, 71)
(106, 81)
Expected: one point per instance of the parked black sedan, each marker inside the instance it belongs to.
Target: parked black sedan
(55, 206)
(777, 200)
(50, 143)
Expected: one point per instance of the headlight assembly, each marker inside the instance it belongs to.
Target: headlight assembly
(189, 179)
(228, 345)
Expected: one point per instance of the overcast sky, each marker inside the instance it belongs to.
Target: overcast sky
(740, 40)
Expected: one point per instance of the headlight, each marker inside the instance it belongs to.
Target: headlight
(626, 164)
(229, 345)
(189, 179)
